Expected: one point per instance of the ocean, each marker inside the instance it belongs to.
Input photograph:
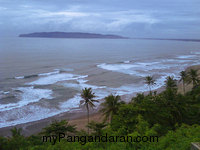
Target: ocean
(43, 77)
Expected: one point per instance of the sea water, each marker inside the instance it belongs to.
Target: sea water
(41, 77)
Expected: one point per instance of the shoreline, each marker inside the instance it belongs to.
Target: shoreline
(74, 116)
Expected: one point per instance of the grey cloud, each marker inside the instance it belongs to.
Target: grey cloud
(142, 18)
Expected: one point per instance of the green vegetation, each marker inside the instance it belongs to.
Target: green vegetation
(58, 127)
(171, 116)
(110, 106)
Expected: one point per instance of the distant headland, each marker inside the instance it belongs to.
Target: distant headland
(71, 35)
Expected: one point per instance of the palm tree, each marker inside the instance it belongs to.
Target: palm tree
(183, 78)
(170, 83)
(88, 96)
(171, 89)
(193, 77)
(150, 82)
(110, 106)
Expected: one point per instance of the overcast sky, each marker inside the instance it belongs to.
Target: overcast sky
(133, 18)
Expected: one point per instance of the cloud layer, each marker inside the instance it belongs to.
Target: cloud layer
(146, 18)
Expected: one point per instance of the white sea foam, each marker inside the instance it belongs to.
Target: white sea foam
(143, 66)
(147, 63)
(28, 95)
(186, 56)
(3, 94)
(196, 53)
(71, 103)
(49, 73)
(128, 68)
(137, 88)
(176, 60)
(157, 67)
(122, 68)
(19, 77)
(29, 113)
(143, 69)
(127, 61)
(52, 79)
(75, 101)
(100, 91)
(6, 92)
(129, 89)
(56, 71)
(94, 87)
(115, 67)
(136, 68)
(25, 114)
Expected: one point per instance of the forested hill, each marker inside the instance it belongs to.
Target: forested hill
(71, 35)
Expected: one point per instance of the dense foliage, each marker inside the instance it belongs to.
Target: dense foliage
(173, 117)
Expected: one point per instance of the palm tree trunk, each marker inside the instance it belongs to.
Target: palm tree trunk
(88, 116)
(111, 118)
(149, 90)
(183, 88)
(193, 84)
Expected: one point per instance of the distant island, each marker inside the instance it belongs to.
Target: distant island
(71, 35)
(92, 36)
